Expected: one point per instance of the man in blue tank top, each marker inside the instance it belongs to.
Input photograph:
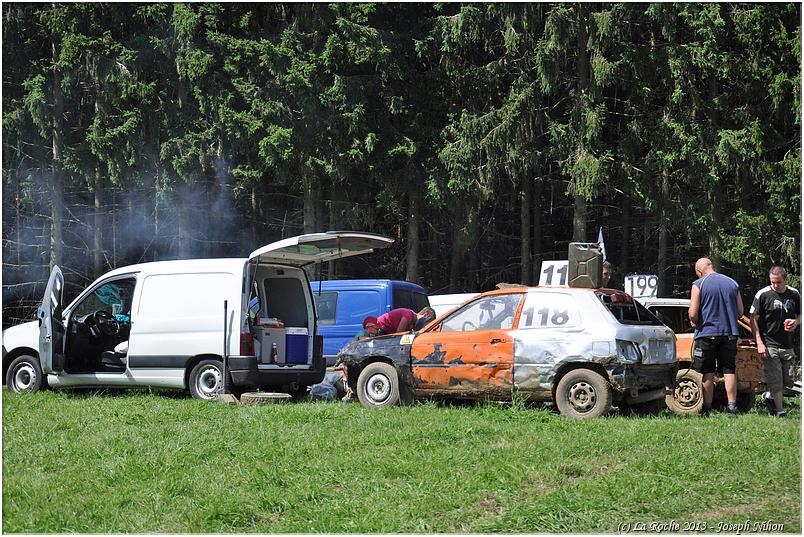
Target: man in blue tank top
(715, 306)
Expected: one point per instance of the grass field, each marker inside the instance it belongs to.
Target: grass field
(143, 463)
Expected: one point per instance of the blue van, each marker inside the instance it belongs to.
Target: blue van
(343, 304)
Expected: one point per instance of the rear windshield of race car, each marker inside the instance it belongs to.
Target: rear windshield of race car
(627, 310)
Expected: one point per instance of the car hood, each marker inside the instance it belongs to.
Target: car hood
(385, 346)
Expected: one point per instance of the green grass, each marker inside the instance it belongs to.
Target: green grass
(144, 463)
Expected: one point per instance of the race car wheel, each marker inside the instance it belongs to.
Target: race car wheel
(582, 393)
(25, 375)
(378, 386)
(687, 397)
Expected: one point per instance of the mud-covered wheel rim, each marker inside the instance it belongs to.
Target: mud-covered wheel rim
(687, 392)
(24, 378)
(378, 388)
(582, 397)
(208, 382)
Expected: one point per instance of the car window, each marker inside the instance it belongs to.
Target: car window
(549, 310)
(487, 313)
(675, 317)
(114, 297)
(421, 301)
(627, 310)
(326, 304)
(403, 299)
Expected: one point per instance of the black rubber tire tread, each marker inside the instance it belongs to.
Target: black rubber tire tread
(39, 384)
(191, 380)
(600, 386)
(385, 370)
(692, 407)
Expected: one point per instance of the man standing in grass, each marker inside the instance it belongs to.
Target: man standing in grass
(775, 314)
(715, 306)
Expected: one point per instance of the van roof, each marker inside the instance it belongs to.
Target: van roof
(179, 265)
(353, 284)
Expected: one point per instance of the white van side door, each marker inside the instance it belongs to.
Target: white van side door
(51, 325)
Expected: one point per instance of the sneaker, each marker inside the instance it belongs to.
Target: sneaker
(731, 410)
(781, 414)
(705, 413)
(767, 398)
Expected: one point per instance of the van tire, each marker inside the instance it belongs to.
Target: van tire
(582, 393)
(687, 396)
(378, 386)
(206, 380)
(25, 375)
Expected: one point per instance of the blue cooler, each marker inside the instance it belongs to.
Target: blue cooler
(296, 345)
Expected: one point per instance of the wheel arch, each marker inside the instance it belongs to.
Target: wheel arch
(194, 361)
(353, 370)
(13, 354)
(571, 366)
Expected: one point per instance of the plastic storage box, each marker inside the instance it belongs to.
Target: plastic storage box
(296, 345)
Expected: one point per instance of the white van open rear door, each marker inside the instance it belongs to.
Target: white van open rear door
(319, 247)
(51, 325)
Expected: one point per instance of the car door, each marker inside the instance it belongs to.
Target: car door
(51, 324)
(470, 352)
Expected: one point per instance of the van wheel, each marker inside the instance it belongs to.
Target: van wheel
(378, 386)
(582, 393)
(687, 396)
(206, 379)
(25, 375)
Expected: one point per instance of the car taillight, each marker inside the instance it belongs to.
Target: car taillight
(622, 297)
(246, 344)
(628, 351)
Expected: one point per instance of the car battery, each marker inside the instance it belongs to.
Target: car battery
(269, 338)
(296, 345)
(585, 265)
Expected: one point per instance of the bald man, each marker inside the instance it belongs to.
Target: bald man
(715, 306)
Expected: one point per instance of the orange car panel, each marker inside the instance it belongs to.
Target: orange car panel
(464, 362)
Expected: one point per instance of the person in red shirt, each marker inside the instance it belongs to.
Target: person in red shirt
(402, 320)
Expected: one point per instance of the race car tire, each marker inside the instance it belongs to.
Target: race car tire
(582, 393)
(687, 396)
(378, 386)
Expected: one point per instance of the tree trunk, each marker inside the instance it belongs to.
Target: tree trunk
(580, 206)
(524, 229)
(310, 198)
(661, 270)
(56, 193)
(625, 234)
(412, 254)
(185, 247)
(456, 259)
(714, 232)
(97, 232)
(537, 230)
(579, 220)
(255, 216)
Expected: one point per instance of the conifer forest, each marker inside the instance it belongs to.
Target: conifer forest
(482, 137)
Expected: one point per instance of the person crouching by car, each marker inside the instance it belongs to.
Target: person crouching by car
(402, 320)
(370, 328)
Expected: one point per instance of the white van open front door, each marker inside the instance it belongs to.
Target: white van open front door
(51, 325)
(319, 247)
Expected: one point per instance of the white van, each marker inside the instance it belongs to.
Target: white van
(169, 324)
(443, 303)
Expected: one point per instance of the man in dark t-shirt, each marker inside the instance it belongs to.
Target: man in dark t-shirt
(775, 314)
(715, 306)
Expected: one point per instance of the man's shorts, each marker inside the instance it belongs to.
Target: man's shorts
(715, 353)
(779, 372)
